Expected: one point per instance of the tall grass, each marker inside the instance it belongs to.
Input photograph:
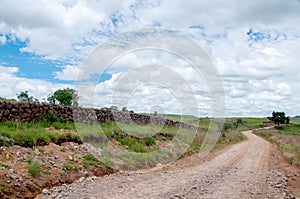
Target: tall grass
(286, 138)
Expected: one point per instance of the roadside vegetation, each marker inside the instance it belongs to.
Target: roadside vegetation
(287, 139)
(34, 134)
(142, 139)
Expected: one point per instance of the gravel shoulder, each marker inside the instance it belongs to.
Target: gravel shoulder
(239, 171)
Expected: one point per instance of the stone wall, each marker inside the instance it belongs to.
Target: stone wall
(28, 112)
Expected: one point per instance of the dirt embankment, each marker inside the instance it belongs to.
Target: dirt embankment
(244, 170)
(59, 164)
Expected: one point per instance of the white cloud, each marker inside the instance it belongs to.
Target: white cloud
(70, 73)
(271, 52)
(11, 84)
(52, 29)
(2, 40)
(8, 71)
(260, 71)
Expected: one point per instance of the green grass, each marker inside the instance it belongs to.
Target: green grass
(141, 139)
(228, 138)
(90, 160)
(7, 100)
(34, 167)
(290, 129)
(248, 122)
(295, 121)
(33, 134)
(71, 167)
(188, 119)
(138, 138)
(5, 166)
(138, 145)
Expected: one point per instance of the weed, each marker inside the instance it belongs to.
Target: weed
(41, 150)
(5, 166)
(71, 167)
(150, 141)
(90, 160)
(34, 166)
(108, 162)
(46, 172)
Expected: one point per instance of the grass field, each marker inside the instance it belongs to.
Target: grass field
(188, 119)
(7, 100)
(247, 122)
(295, 121)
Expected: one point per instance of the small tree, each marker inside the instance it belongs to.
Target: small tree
(114, 108)
(24, 97)
(65, 97)
(279, 118)
(237, 122)
(124, 109)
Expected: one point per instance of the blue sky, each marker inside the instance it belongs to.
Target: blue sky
(254, 46)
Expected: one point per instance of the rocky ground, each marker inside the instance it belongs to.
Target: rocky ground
(246, 170)
(59, 164)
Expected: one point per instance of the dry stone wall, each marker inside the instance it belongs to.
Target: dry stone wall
(28, 112)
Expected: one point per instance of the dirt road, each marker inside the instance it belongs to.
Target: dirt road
(239, 171)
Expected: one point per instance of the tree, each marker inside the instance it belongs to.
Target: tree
(24, 97)
(279, 118)
(114, 108)
(237, 122)
(65, 97)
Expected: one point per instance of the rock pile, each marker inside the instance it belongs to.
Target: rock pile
(27, 112)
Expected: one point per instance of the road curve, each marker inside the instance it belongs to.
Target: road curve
(239, 171)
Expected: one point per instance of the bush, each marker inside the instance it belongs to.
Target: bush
(227, 126)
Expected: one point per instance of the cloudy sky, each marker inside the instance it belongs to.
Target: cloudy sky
(254, 46)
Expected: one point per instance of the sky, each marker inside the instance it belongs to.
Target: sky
(253, 45)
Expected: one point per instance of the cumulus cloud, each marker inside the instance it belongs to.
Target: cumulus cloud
(11, 84)
(70, 73)
(253, 45)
